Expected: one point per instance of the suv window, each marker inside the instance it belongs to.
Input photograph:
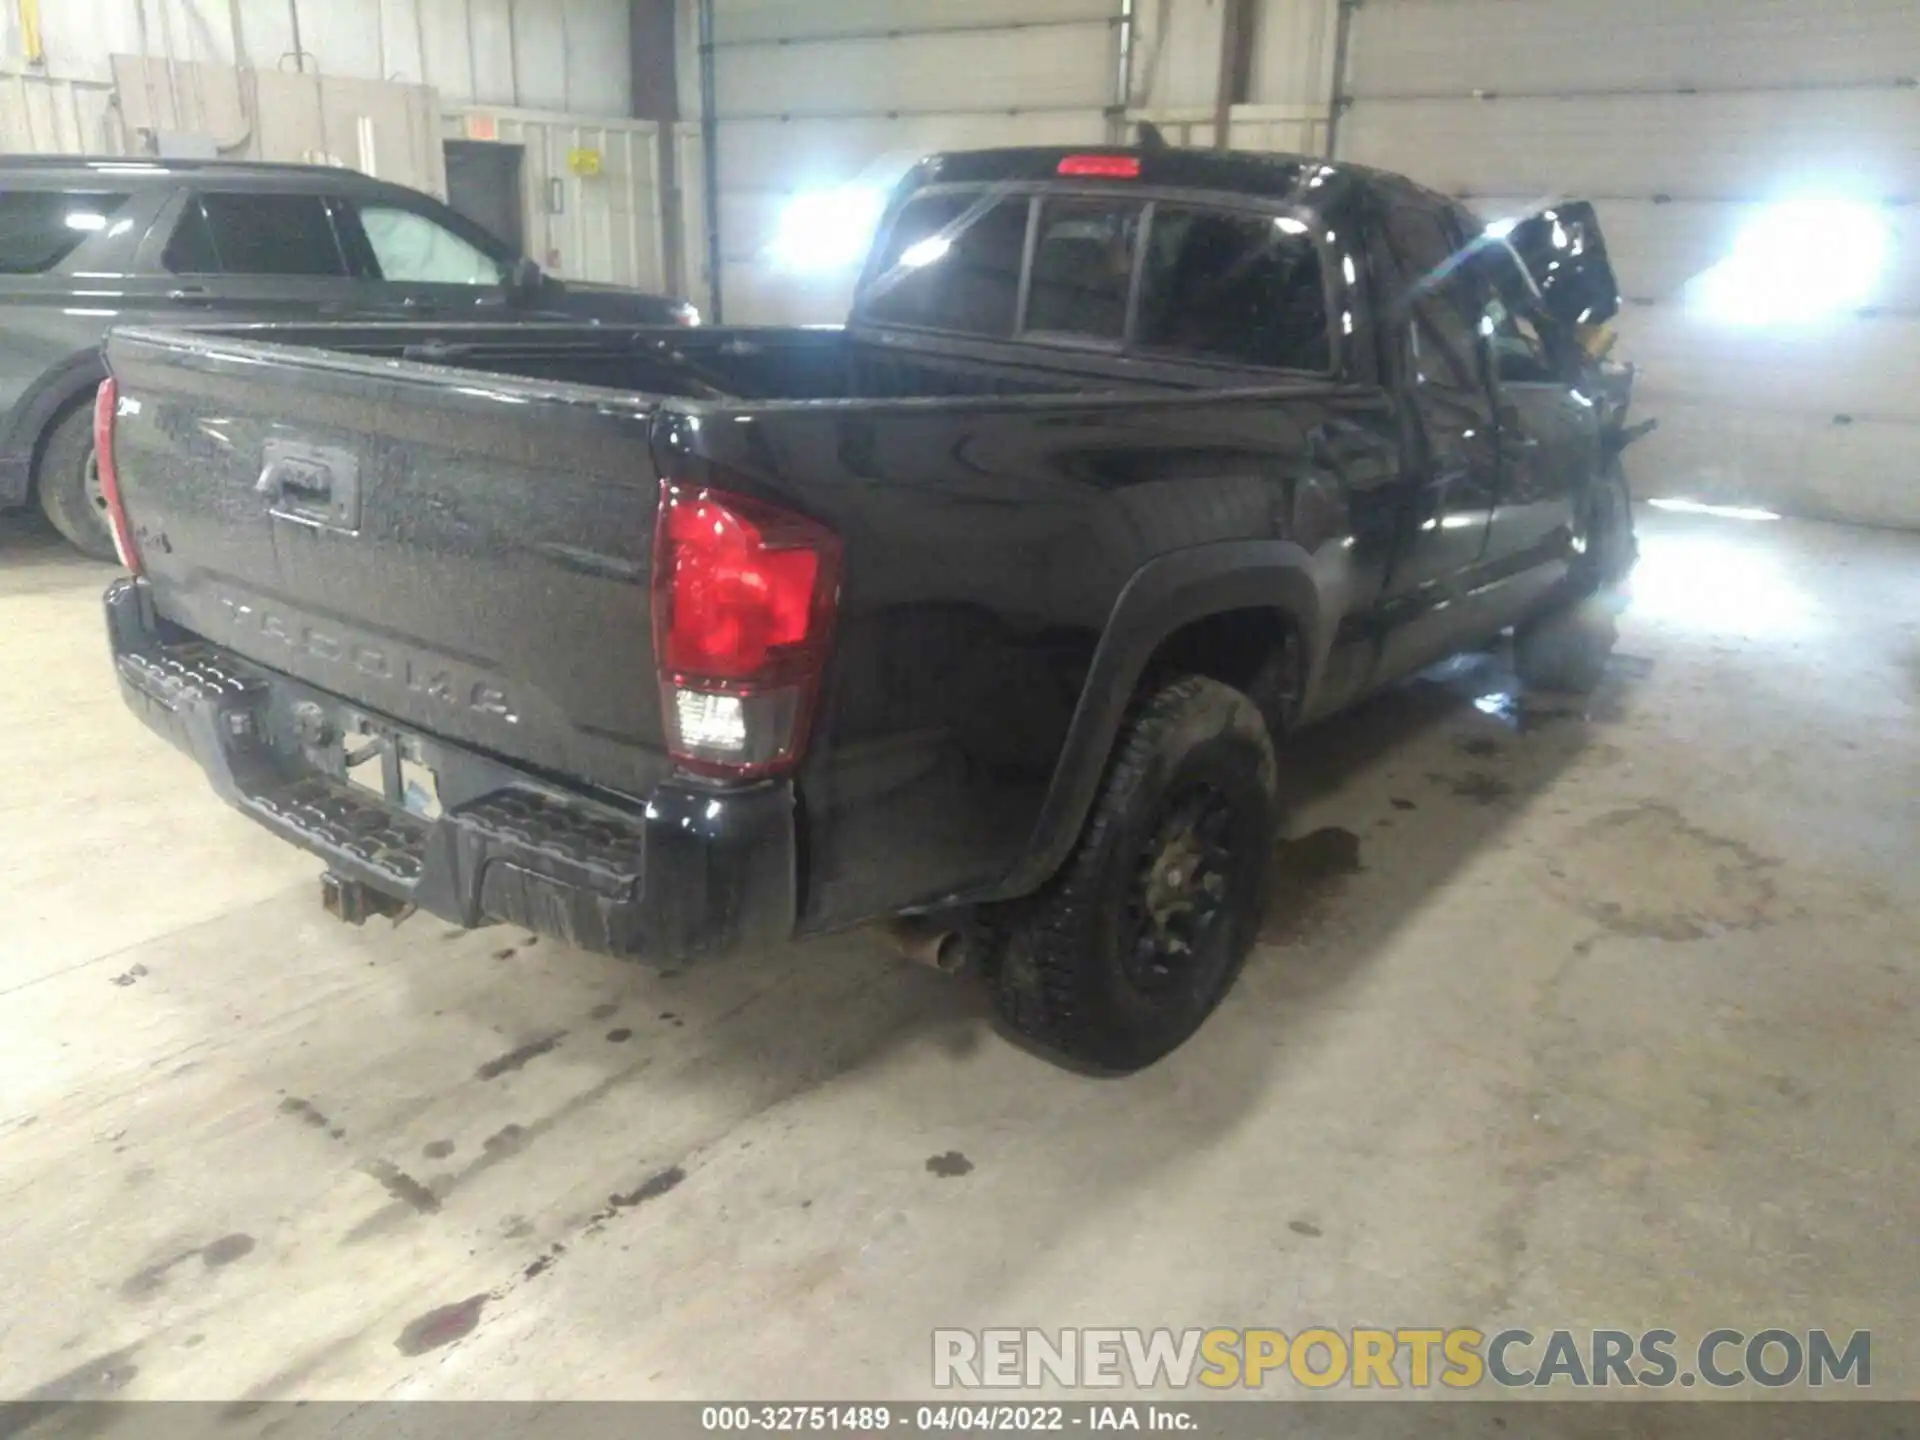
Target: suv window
(40, 228)
(952, 262)
(1083, 268)
(235, 234)
(411, 248)
(1224, 286)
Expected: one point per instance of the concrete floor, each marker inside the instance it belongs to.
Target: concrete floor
(1614, 1025)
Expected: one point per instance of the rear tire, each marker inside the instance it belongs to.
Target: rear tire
(67, 481)
(1141, 934)
(1568, 647)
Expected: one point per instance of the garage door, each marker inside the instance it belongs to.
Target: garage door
(1756, 163)
(822, 106)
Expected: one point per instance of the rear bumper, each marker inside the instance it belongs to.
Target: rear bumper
(691, 873)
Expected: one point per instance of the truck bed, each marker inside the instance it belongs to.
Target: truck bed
(450, 530)
(708, 363)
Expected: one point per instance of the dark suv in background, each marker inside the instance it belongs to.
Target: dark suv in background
(88, 244)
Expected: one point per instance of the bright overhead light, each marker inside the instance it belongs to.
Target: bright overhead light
(1797, 262)
(1287, 225)
(86, 220)
(826, 230)
(1722, 512)
(1501, 229)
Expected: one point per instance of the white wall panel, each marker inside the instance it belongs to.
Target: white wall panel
(816, 96)
(495, 77)
(690, 171)
(786, 156)
(598, 72)
(1846, 366)
(1176, 62)
(1293, 53)
(1177, 56)
(1291, 129)
(1863, 471)
(1725, 146)
(969, 70)
(1454, 47)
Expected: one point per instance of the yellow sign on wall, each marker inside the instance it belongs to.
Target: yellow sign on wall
(584, 163)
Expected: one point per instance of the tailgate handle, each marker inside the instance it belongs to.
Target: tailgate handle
(282, 478)
(311, 485)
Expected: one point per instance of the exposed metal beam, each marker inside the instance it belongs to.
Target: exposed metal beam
(1123, 81)
(655, 86)
(1236, 58)
(710, 158)
(1338, 102)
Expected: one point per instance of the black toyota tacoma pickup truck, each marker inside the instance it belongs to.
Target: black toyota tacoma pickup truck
(988, 615)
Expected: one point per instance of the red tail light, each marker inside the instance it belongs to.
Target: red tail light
(106, 404)
(744, 595)
(1102, 167)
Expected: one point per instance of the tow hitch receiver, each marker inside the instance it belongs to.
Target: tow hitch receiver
(356, 903)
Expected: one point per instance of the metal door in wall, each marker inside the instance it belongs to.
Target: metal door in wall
(484, 184)
(591, 188)
(1756, 173)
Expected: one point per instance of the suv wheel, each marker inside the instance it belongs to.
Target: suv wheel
(1138, 938)
(67, 479)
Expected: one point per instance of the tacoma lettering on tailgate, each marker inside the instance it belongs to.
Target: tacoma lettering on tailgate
(382, 662)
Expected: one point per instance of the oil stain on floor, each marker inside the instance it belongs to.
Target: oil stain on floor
(1646, 872)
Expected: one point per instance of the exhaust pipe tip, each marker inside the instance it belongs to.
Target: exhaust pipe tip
(938, 945)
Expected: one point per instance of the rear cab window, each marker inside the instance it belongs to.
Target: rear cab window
(40, 228)
(1083, 260)
(233, 233)
(952, 262)
(1157, 278)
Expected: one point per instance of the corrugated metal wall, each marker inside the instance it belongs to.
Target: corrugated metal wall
(1685, 120)
(563, 55)
(43, 116)
(813, 98)
(1176, 73)
(609, 226)
(385, 129)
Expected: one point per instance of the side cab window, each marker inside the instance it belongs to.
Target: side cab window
(1513, 322)
(1432, 304)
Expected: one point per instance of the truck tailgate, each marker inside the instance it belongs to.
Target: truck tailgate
(459, 552)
